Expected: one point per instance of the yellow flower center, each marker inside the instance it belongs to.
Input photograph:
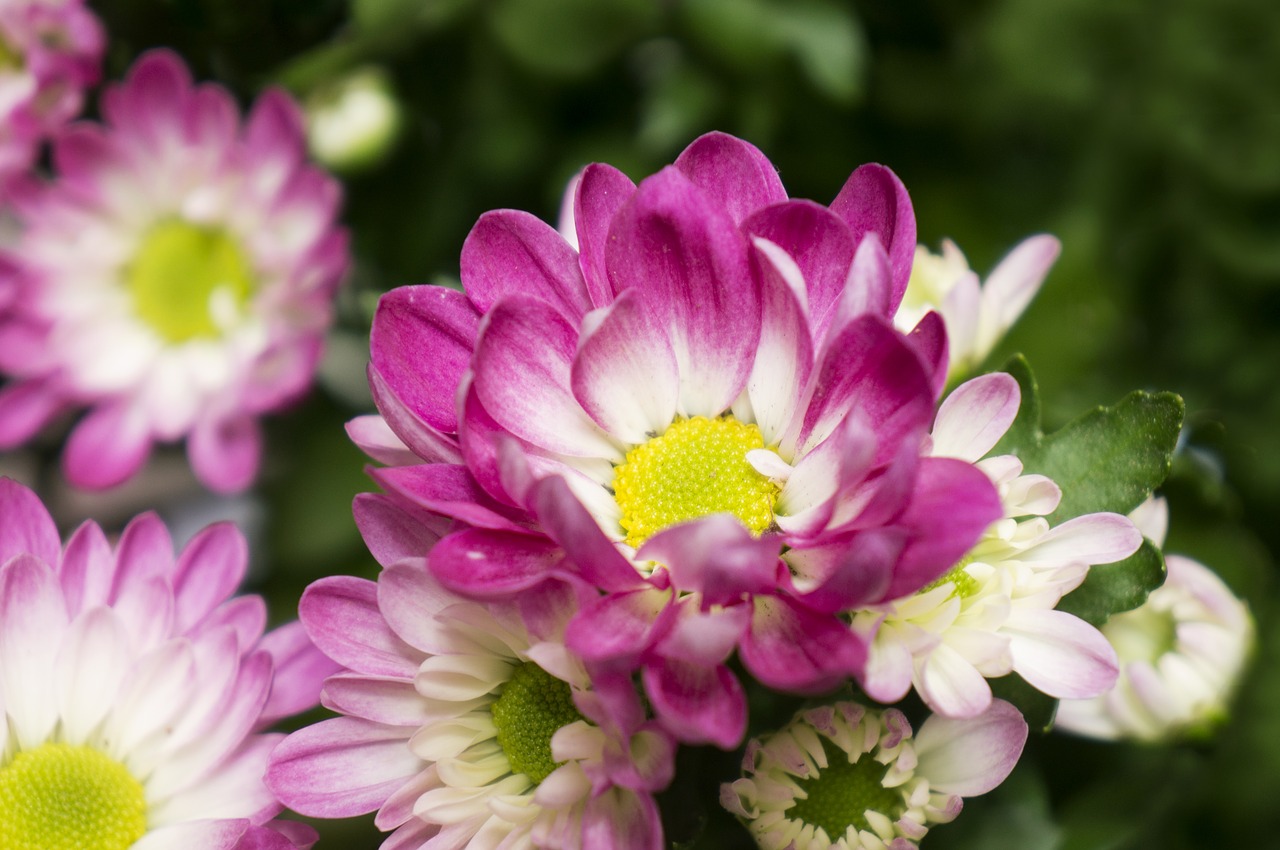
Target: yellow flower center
(963, 584)
(697, 467)
(189, 281)
(64, 797)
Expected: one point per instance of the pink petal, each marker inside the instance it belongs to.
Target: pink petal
(445, 489)
(972, 756)
(424, 441)
(391, 533)
(88, 566)
(509, 252)
(209, 570)
(785, 356)
(421, 343)
(791, 648)
(25, 408)
(620, 627)
(494, 564)
(975, 416)
(602, 191)
(1015, 281)
(690, 262)
(566, 521)
(26, 527)
(33, 619)
(873, 200)
(715, 556)
(107, 447)
(697, 704)
(225, 453)
(373, 436)
(625, 374)
(341, 767)
(621, 819)
(1101, 538)
(300, 670)
(523, 366)
(1060, 654)
(732, 172)
(929, 339)
(341, 616)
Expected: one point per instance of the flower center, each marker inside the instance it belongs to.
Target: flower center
(10, 59)
(189, 281)
(965, 584)
(695, 468)
(64, 797)
(840, 796)
(1143, 634)
(532, 707)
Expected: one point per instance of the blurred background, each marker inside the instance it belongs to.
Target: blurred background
(1145, 135)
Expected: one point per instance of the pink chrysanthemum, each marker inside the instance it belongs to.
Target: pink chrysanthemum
(50, 52)
(176, 279)
(133, 692)
(468, 725)
(698, 403)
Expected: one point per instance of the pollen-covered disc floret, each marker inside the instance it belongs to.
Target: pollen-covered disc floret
(175, 279)
(472, 720)
(697, 467)
(134, 689)
(855, 778)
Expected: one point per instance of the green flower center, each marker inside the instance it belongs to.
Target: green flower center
(965, 584)
(840, 796)
(186, 277)
(532, 707)
(64, 797)
(1143, 634)
(697, 467)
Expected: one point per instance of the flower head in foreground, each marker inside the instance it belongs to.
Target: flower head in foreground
(855, 778)
(50, 52)
(992, 613)
(976, 315)
(1182, 653)
(176, 279)
(135, 692)
(698, 404)
(465, 727)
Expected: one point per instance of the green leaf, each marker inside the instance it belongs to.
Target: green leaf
(1122, 586)
(1109, 459)
(569, 38)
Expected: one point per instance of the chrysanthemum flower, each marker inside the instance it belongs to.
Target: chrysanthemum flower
(1181, 652)
(467, 725)
(176, 280)
(854, 778)
(704, 405)
(976, 315)
(50, 52)
(133, 692)
(992, 613)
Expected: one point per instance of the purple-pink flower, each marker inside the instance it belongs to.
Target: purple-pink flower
(50, 52)
(468, 724)
(699, 405)
(134, 692)
(176, 279)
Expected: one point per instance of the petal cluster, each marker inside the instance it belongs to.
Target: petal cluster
(50, 52)
(142, 664)
(462, 726)
(176, 279)
(547, 411)
(993, 613)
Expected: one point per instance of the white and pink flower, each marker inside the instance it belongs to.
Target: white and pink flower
(50, 52)
(468, 725)
(993, 613)
(134, 693)
(854, 778)
(699, 405)
(176, 280)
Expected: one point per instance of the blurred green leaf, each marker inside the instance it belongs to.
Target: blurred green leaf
(387, 17)
(1112, 588)
(1038, 708)
(829, 44)
(570, 37)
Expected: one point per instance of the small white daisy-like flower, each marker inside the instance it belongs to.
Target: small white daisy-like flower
(462, 729)
(854, 778)
(993, 613)
(976, 315)
(1181, 656)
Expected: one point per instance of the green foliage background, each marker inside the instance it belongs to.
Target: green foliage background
(1145, 134)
